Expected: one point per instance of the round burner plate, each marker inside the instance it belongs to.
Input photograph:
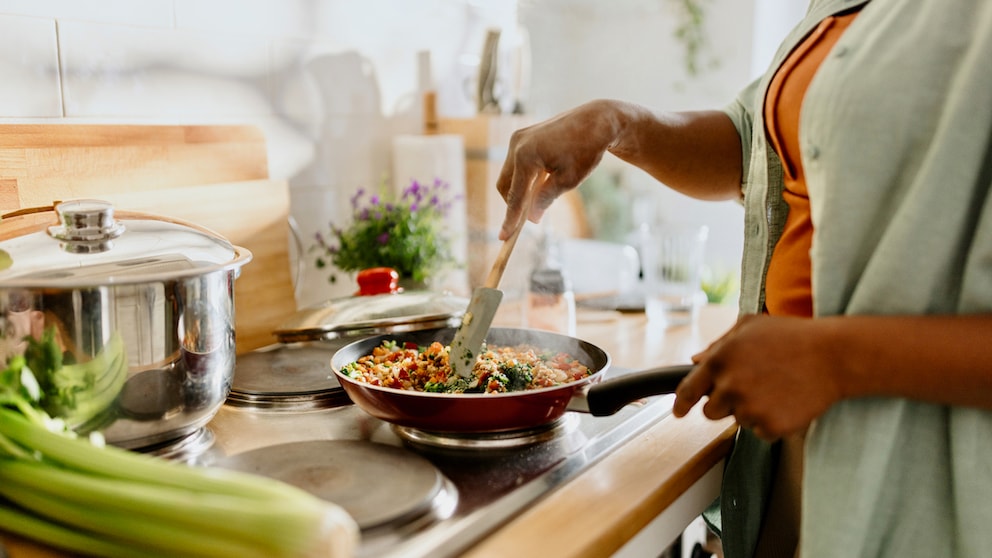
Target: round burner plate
(375, 483)
(490, 440)
(294, 377)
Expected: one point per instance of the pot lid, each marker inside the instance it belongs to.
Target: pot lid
(81, 243)
(374, 310)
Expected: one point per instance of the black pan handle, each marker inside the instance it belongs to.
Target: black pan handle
(609, 396)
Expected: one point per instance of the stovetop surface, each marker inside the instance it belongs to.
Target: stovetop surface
(481, 487)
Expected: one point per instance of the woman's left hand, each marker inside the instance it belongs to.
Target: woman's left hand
(773, 374)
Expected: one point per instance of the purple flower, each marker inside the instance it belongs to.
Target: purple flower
(358, 195)
(408, 215)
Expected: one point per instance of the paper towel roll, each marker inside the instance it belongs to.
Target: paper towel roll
(438, 156)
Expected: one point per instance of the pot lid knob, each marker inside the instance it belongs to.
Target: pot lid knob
(86, 226)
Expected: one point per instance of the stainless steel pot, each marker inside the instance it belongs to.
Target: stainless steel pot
(141, 307)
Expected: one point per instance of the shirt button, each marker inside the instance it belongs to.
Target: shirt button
(813, 152)
(840, 51)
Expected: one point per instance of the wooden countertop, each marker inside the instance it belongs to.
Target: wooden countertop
(607, 505)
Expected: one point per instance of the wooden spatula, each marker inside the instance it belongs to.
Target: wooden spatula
(485, 300)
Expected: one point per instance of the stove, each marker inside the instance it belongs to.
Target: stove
(412, 493)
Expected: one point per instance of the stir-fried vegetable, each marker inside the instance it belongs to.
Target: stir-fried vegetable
(88, 498)
(497, 369)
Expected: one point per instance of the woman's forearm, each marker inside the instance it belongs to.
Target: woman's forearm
(696, 153)
(940, 359)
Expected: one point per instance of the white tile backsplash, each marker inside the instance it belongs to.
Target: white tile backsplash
(29, 65)
(96, 48)
(170, 93)
(149, 13)
(110, 70)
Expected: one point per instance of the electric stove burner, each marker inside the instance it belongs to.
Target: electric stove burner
(293, 377)
(380, 486)
(490, 440)
(187, 448)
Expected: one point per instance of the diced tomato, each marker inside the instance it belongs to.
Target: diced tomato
(410, 345)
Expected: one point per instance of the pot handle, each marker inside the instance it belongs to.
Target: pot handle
(609, 396)
(28, 211)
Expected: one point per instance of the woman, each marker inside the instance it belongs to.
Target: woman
(861, 368)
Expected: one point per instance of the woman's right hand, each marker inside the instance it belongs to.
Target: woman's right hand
(567, 147)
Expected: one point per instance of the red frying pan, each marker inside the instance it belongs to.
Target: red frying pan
(481, 413)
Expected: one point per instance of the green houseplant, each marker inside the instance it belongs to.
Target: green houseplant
(404, 232)
(690, 31)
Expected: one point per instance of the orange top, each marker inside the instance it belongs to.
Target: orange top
(788, 289)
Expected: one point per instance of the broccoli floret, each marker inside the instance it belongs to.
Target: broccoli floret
(454, 385)
(460, 385)
(435, 387)
(518, 376)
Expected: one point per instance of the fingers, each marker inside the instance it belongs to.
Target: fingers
(517, 207)
(692, 388)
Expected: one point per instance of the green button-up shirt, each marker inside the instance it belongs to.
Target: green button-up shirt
(896, 142)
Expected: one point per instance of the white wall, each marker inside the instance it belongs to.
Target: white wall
(626, 49)
(331, 81)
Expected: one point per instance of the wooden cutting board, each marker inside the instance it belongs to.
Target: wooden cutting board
(214, 176)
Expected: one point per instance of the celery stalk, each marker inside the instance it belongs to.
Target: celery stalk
(275, 525)
(127, 465)
(29, 526)
(160, 537)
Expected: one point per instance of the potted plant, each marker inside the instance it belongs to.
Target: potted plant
(404, 232)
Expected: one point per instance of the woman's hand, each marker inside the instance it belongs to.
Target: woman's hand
(568, 147)
(773, 374)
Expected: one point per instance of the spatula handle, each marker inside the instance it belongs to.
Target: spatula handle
(499, 266)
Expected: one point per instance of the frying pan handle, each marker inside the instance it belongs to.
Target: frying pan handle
(609, 396)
